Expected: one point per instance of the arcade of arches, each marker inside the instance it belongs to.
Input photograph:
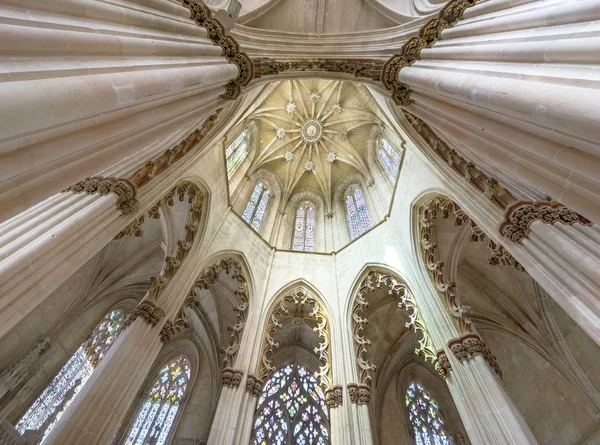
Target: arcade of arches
(299, 222)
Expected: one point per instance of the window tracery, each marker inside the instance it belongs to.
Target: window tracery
(49, 407)
(291, 410)
(155, 417)
(256, 208)
(428, 426)
(236, 152)
(388, 157)
(304, 229)
(356, 212)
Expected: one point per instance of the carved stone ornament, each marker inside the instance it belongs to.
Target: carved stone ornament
(519, 216)
(125, 190)
(12, 378)
(231, 51)
(359, 394)
(254, 386)
(133, 229)
(231, 377)
(445, 366)
(167, 331)
(333, 397)
(147, 311)
(411, 50)
(370, 68)
(469, 345)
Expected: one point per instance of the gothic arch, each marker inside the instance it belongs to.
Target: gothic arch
(302, 294)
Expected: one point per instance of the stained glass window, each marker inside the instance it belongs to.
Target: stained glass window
(428, 427)
(236, 152)
(49, 407)
(155, 417)
(257, 206)
(356, 212)
(304, 229)
(389, 158)
(291, 410)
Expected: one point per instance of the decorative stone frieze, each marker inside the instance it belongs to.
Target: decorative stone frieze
(254, 386)
(167, 331)
(125, 190)
(359, 394)
(370, 68)
(519, 216)
(411, 50)
(376, 280)
(333, 397)
(469, 345)
(147, 311)
(231, 377)
(205, 280)
(445, 366)
(231, 51)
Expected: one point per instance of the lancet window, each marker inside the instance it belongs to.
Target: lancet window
(428, 426)
(389, 157)
(236, 152)
(49, 407)
(256, 208)
(156, 415)
(291, 410)
(304, 229)
(356, 212)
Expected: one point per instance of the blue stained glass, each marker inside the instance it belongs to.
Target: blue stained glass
(155, 417)
(257, 206)
(61, 392)
(424, 415)
(236, 152)
(389, 158)
(356, 212)
(304, 419)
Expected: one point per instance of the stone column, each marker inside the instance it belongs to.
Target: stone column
(525, 104)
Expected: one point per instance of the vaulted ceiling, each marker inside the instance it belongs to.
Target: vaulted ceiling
(313, 134)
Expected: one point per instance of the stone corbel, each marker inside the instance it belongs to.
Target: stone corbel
(334, 396)
(359, 394)
(469, 345)
(519, 216)
(231, 377)
(254, 386)
(147, 311)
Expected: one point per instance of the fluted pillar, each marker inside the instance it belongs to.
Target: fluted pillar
(514, 85)
(96, 82)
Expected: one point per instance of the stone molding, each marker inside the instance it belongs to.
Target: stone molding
(254, 386)
(444, 363)
(519, 216)
(147, 311)
(377, 280)
(368, 68)
(359, 394)
(411, 50)
(125, 190)
(231, 51)
(231, 378)
(334, 396)
(469, 345)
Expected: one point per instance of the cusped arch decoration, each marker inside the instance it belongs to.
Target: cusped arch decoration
(378, 279)
(303, 296)
(442, 206)
(206, 278)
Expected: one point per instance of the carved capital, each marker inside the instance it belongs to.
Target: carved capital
(254, 386)
(147, 311)
(444, 364)
(469, 345)
(167, 331)
(125, 190)
(359, 394)
(334, 396)
(519, 216)
(231, 377)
